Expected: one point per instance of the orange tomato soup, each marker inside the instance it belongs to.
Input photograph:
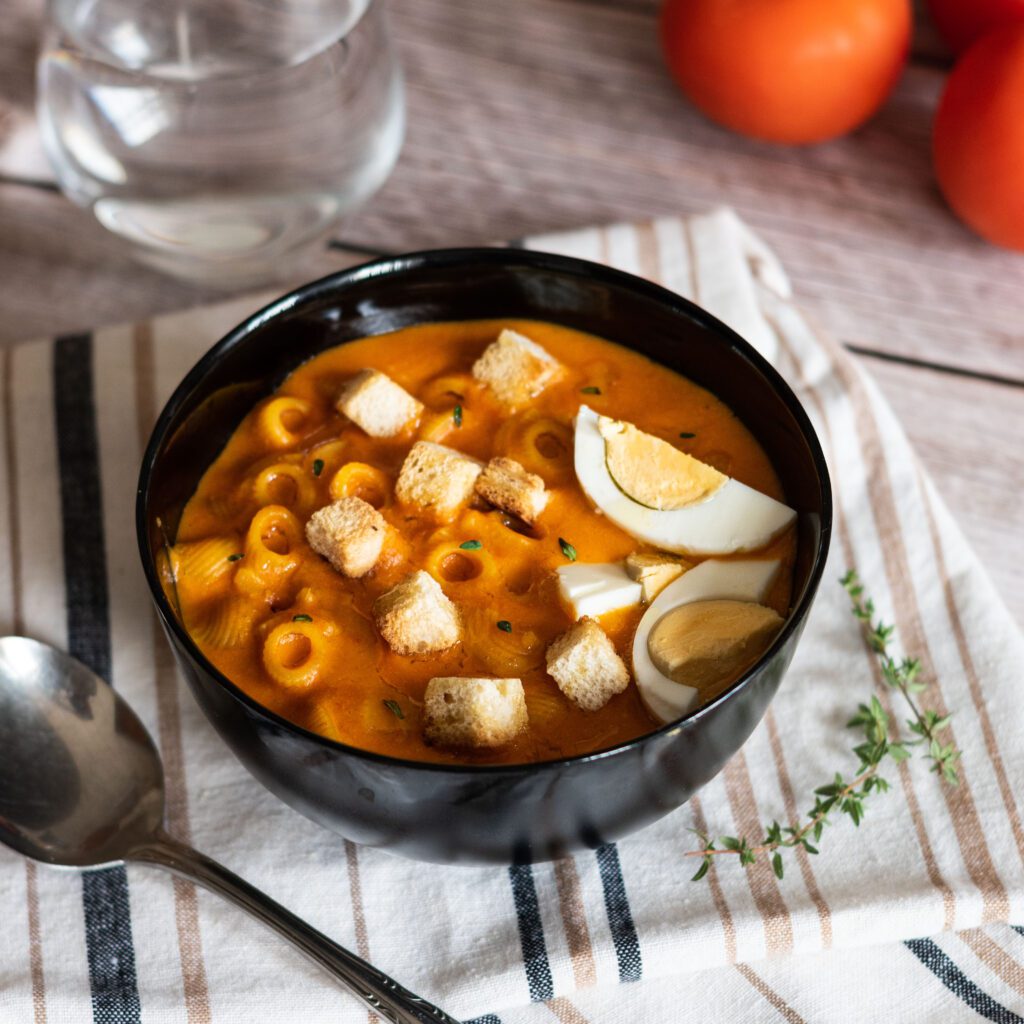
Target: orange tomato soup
(242, 568)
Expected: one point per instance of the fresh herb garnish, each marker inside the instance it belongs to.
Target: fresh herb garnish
(686, 433)
(318, 467)
(302, 618)
(471, 545)
(567, 549)
(457, 415)
(882, 739)
(591, 390)
(395, 708)
(235, 557)
(505, 626)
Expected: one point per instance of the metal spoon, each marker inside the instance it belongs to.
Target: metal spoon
(82, 785)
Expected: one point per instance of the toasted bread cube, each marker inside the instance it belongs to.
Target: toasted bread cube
(416, 616)
(349, 534)
(654, 571)
(437, 478)
(373, 401)
(461, 712)
(515, 368)
(586, 665)
(506, 485)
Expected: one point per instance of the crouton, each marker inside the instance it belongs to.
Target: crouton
(586, 666)
(349, 534)
(515, 368)
(416, 617)
(373, 401)
(506, 485)
(436, 478)
(473, 712)
(654, 571)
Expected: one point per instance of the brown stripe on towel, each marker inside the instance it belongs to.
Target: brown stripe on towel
(574, 917)
(355, 888)
(648, 252)
(35, 945)
(977, 697)
(793, 814)
(724, 913)
(778, 925)
(565, 1011)
(884, 693)
(994, 957)
(768, 993)
(959, 799)
(13, 519)
(186, 904)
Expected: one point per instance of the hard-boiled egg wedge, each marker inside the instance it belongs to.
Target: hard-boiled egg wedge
(667, 498)
(595, 588)
(713, 647)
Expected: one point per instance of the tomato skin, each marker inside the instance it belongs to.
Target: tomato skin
(978, 137)
(792, 71)
(961, 22)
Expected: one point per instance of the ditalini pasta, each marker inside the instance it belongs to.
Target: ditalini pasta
(332, 574)
(361, 480)
(285, 483)
(281, 422)
(295, 653)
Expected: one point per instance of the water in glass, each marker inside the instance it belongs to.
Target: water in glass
(218, 137)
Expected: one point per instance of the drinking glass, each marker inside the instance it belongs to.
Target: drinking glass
(217, 138)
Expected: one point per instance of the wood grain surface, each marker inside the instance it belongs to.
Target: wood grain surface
(550, 114)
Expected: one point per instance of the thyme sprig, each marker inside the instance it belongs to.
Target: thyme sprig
(882, 740)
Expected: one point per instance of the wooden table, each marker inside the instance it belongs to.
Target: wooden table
(550, 114)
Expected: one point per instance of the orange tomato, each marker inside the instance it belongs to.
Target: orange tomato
(962, 21)
(978, 140)
(795, 71)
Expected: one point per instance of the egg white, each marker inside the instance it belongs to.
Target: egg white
(733, 518)
(710, 581)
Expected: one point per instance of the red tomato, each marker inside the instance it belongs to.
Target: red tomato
(786, 70)
(962, 21)
(978, 141)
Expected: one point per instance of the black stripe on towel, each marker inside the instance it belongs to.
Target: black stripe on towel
(958, 983)
(531, 933)
(487, 1018)
(620, 917)
(108, 927)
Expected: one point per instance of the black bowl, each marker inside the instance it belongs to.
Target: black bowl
(505, 813)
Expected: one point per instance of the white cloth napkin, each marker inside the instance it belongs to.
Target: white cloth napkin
(908, 918)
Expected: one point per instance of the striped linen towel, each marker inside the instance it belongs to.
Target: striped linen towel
(909, 918)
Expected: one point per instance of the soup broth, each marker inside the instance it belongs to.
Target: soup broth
(245, 576)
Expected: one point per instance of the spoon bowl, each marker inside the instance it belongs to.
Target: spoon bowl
(82, 786)
(81, 783)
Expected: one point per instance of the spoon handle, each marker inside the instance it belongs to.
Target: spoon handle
(381, 993)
